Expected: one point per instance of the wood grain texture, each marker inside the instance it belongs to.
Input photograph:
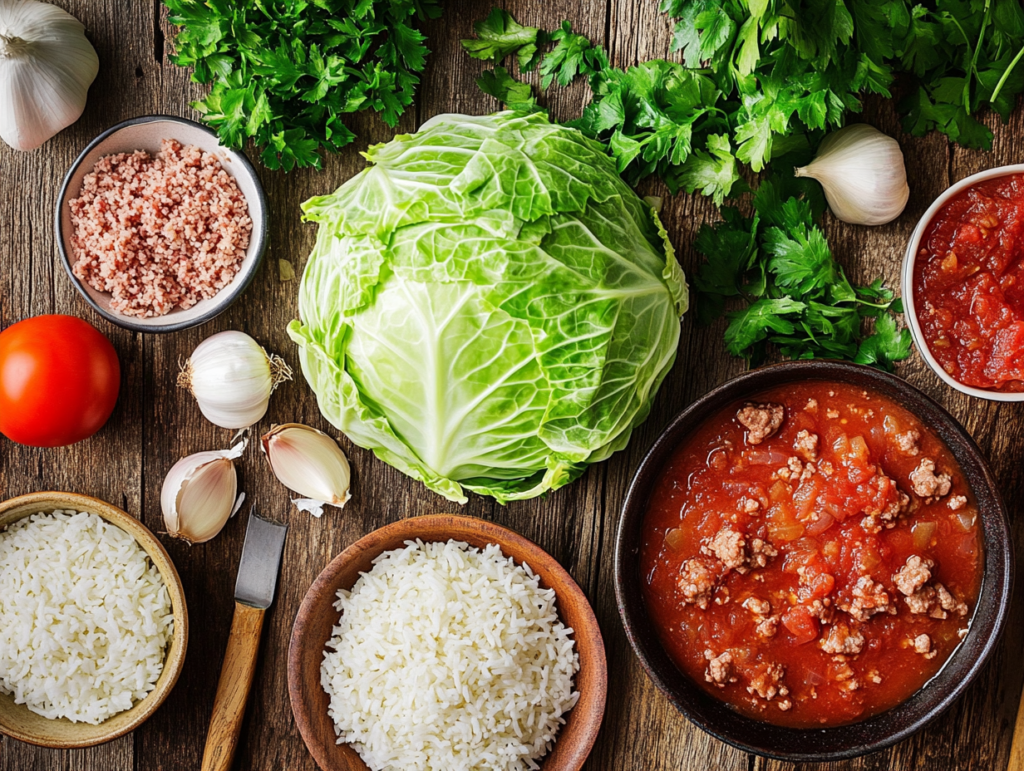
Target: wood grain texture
(155, 424)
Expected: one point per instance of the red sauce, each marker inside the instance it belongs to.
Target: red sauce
(796, 578)
(969, 285)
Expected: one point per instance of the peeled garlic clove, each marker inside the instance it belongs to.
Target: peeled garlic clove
(863, 175)
(200, 494)
(310, 463)
(232, 378)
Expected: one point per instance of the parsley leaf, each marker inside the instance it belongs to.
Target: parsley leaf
(572, 55)
(499, 36)
(513, 93)
(886, 345)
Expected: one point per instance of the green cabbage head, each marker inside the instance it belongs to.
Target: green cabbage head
(489, 307)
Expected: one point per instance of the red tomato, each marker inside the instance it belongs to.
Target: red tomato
(59, 379)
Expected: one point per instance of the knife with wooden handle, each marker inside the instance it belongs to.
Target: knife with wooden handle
(254, 592)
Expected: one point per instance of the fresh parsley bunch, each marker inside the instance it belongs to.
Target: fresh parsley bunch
(286, 72)
(794, 63)
(771, 273)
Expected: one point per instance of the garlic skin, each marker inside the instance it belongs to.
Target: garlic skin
(863, 174)
(310, 463)
(200, 494)
(232, 378)
(46, 68)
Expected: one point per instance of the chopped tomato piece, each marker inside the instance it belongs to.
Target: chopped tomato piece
(801, 624)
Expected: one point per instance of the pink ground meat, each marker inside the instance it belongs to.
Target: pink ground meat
(159, 233)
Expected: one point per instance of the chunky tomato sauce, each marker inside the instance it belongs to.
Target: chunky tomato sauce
(811, 558)
(969, 285)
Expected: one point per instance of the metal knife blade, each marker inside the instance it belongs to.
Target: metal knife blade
(260, 563)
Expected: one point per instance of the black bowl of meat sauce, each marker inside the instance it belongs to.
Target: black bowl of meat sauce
(813, 561)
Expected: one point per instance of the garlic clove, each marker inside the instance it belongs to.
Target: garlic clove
(46, 67)
(311, 463)
(200, 494)
(862, 173)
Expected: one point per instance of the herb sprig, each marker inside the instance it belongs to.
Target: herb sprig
(287, 72)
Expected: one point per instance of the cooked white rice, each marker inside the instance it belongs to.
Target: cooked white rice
(85, 617)
(449, 658)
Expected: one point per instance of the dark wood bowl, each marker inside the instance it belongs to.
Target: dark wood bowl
(882, 730)
(317, 617)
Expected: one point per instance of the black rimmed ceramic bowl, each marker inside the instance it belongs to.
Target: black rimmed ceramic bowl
(886, 728)
(146, 133)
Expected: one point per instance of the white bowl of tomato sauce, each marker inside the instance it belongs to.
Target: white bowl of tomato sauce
(963, 285)
(813, 561)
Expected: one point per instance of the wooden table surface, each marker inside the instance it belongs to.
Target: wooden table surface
(155, 423)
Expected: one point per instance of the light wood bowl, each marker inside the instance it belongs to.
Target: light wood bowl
(317, 617)
(16, 720)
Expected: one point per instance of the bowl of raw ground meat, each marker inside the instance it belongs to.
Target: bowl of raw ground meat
(159, 226)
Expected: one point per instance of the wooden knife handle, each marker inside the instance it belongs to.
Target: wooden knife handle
(233, 688)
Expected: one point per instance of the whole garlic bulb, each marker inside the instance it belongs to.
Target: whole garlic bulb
(232, 378)
(46, 68)
(862, 172)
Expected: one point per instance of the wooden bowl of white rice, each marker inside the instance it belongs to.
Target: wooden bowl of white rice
(93, 624)
(446, 643)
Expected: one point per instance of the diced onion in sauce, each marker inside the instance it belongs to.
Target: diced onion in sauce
(674, 538)
(966, 519)
(814, 678)
(923, 534)
(766, 458)
(823, 523)
(869, 559)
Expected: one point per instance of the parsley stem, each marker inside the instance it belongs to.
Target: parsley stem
(973, 69)
(1006, 74)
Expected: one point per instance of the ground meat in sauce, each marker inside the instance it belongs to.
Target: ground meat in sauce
(923, 645)
(727, 547)
(869, 598)
(765, 681)
(807, 445)
(913, 575)
(841, 639)
(805, 559)
(928, 484)
(696, 582)
(768, 627)
(912, 580)
(760, 420)
(757, 607)
(719, 667)
(907, 442)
